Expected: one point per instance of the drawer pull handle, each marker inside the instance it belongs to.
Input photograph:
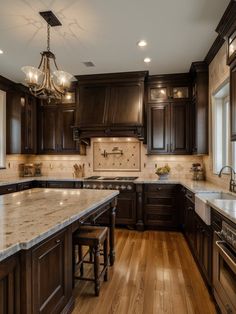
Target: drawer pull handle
(158, 189)
(10, 189)
(189, 195)
(58, 241)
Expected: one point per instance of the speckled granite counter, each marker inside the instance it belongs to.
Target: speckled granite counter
(225, 207)
(43, 178)
(28, 217)
(194, 186)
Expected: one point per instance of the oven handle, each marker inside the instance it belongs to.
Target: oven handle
(220, 246)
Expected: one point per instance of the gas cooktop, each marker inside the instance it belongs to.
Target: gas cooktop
(111, 178)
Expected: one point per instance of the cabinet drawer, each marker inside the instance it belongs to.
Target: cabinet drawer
(41, 184)
(60, 185)
(24, 186)
(153, 199)
(160, 217)
(8, 189)
(161, 189)
(216, 221)
(190, 195)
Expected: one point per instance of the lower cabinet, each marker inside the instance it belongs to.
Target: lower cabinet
(51, 274)
(125, 210)
(160, 209)
(199, 237)
(10, 286)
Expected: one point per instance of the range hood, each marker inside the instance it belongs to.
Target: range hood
(110, 105)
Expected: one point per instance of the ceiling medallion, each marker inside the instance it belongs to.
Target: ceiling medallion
(47, 81)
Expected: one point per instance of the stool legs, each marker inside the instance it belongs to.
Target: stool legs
(105, 252)
(96, 269)
(80, 259)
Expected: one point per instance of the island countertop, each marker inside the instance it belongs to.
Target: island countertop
(28, 217)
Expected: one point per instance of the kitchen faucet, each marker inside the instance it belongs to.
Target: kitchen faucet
(232, 182)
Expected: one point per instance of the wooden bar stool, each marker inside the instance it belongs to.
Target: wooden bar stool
(94, 237)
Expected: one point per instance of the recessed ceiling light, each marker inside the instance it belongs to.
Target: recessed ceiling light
(147, 60)
(142, 43)
(1, 51)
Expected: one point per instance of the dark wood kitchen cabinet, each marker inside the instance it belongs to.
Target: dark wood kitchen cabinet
(168, 110)
(125, 210)
(160, 209)
(55, 134)
(169, 128)
(51, 274)
(21, 123)
(199, 73)
(198, 236)
(10, 286)
(110, 103)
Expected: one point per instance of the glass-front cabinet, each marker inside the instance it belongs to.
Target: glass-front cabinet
(165, 93)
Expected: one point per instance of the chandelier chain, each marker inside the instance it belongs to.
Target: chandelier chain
(48, 38)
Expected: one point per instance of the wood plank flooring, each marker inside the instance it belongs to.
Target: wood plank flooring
(154, 272)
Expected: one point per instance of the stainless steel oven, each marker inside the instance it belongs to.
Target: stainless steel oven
(224, 268)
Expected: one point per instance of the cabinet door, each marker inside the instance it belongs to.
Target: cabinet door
(206, 258)
(10, 286)
(48, 139)
(125, 105)
(158, 128)
(180, 137)
(51, 274)
(92, 105)
(67, 119)
(28, 131)
(233, 102)
(126, 209)
(189, 226)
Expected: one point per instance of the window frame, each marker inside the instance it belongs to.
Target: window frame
(2, 129)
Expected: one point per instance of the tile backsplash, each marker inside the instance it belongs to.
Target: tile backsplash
(62, 166)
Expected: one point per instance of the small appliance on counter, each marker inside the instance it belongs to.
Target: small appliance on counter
(198, 172)
(30, 170)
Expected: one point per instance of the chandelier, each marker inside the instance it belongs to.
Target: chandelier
(47, 81)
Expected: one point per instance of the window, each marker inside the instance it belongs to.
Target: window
(223, 148)
(2, 129)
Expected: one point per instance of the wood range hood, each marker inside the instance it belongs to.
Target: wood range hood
(110, 105)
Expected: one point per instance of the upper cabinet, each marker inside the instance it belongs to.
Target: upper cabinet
(110, 104)
(168, 114)
(199, 73)
(55, 127)
(21, 123)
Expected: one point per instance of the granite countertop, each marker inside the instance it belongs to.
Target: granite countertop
(28, 217)
(42, 178)
(225, 207)
(194, 186)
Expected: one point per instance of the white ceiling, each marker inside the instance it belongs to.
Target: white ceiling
(106, 32)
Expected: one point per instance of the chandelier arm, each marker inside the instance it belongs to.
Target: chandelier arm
(57, 88)
(55, 63)
(41, 61)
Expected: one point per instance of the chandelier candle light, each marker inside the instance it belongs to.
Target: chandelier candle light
(43, 82)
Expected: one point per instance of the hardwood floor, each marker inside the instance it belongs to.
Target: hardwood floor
(154, 272)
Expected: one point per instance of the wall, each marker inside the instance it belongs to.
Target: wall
(62, 166)
(218, 74)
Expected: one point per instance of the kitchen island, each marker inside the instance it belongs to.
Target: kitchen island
(36, 228)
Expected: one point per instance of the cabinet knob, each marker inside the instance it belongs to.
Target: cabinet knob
(58, 241)
(159, 189)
